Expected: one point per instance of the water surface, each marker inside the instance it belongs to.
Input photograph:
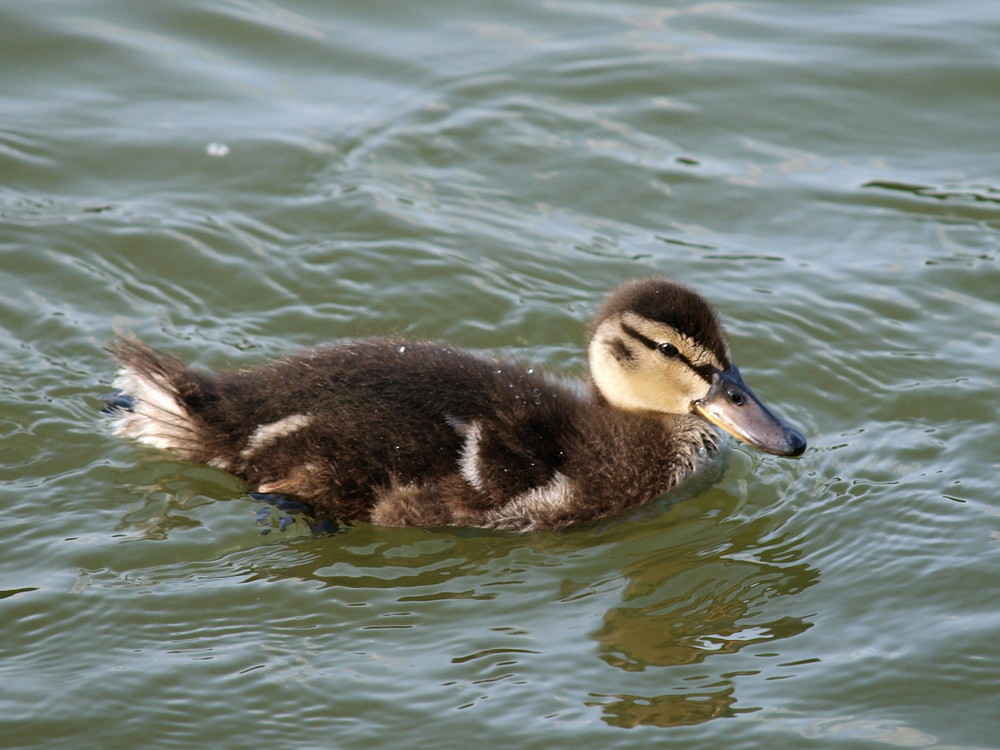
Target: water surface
(234, 179)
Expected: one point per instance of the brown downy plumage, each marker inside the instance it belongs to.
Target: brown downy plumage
(405, 433)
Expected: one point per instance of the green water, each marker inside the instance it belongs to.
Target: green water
(234, 179)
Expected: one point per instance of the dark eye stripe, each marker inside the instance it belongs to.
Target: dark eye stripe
(620, 351)
(705, 372)
(647, 342)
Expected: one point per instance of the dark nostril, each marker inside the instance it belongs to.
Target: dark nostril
(736, 398)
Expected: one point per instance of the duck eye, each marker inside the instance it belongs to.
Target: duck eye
(668, 350)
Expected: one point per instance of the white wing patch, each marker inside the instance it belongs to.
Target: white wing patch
(268, 433)
(460, 426)
(468, 462)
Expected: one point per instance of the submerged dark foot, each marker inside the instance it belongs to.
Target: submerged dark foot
(116, 402)
(281, 502)
(324, 526)
(318, 526)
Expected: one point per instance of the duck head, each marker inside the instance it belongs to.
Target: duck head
(658, 346)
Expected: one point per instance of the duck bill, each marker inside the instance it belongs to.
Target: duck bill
(731, 405)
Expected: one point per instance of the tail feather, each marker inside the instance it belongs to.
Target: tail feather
(161, 389)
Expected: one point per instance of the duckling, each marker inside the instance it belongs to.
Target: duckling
(405, 433)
